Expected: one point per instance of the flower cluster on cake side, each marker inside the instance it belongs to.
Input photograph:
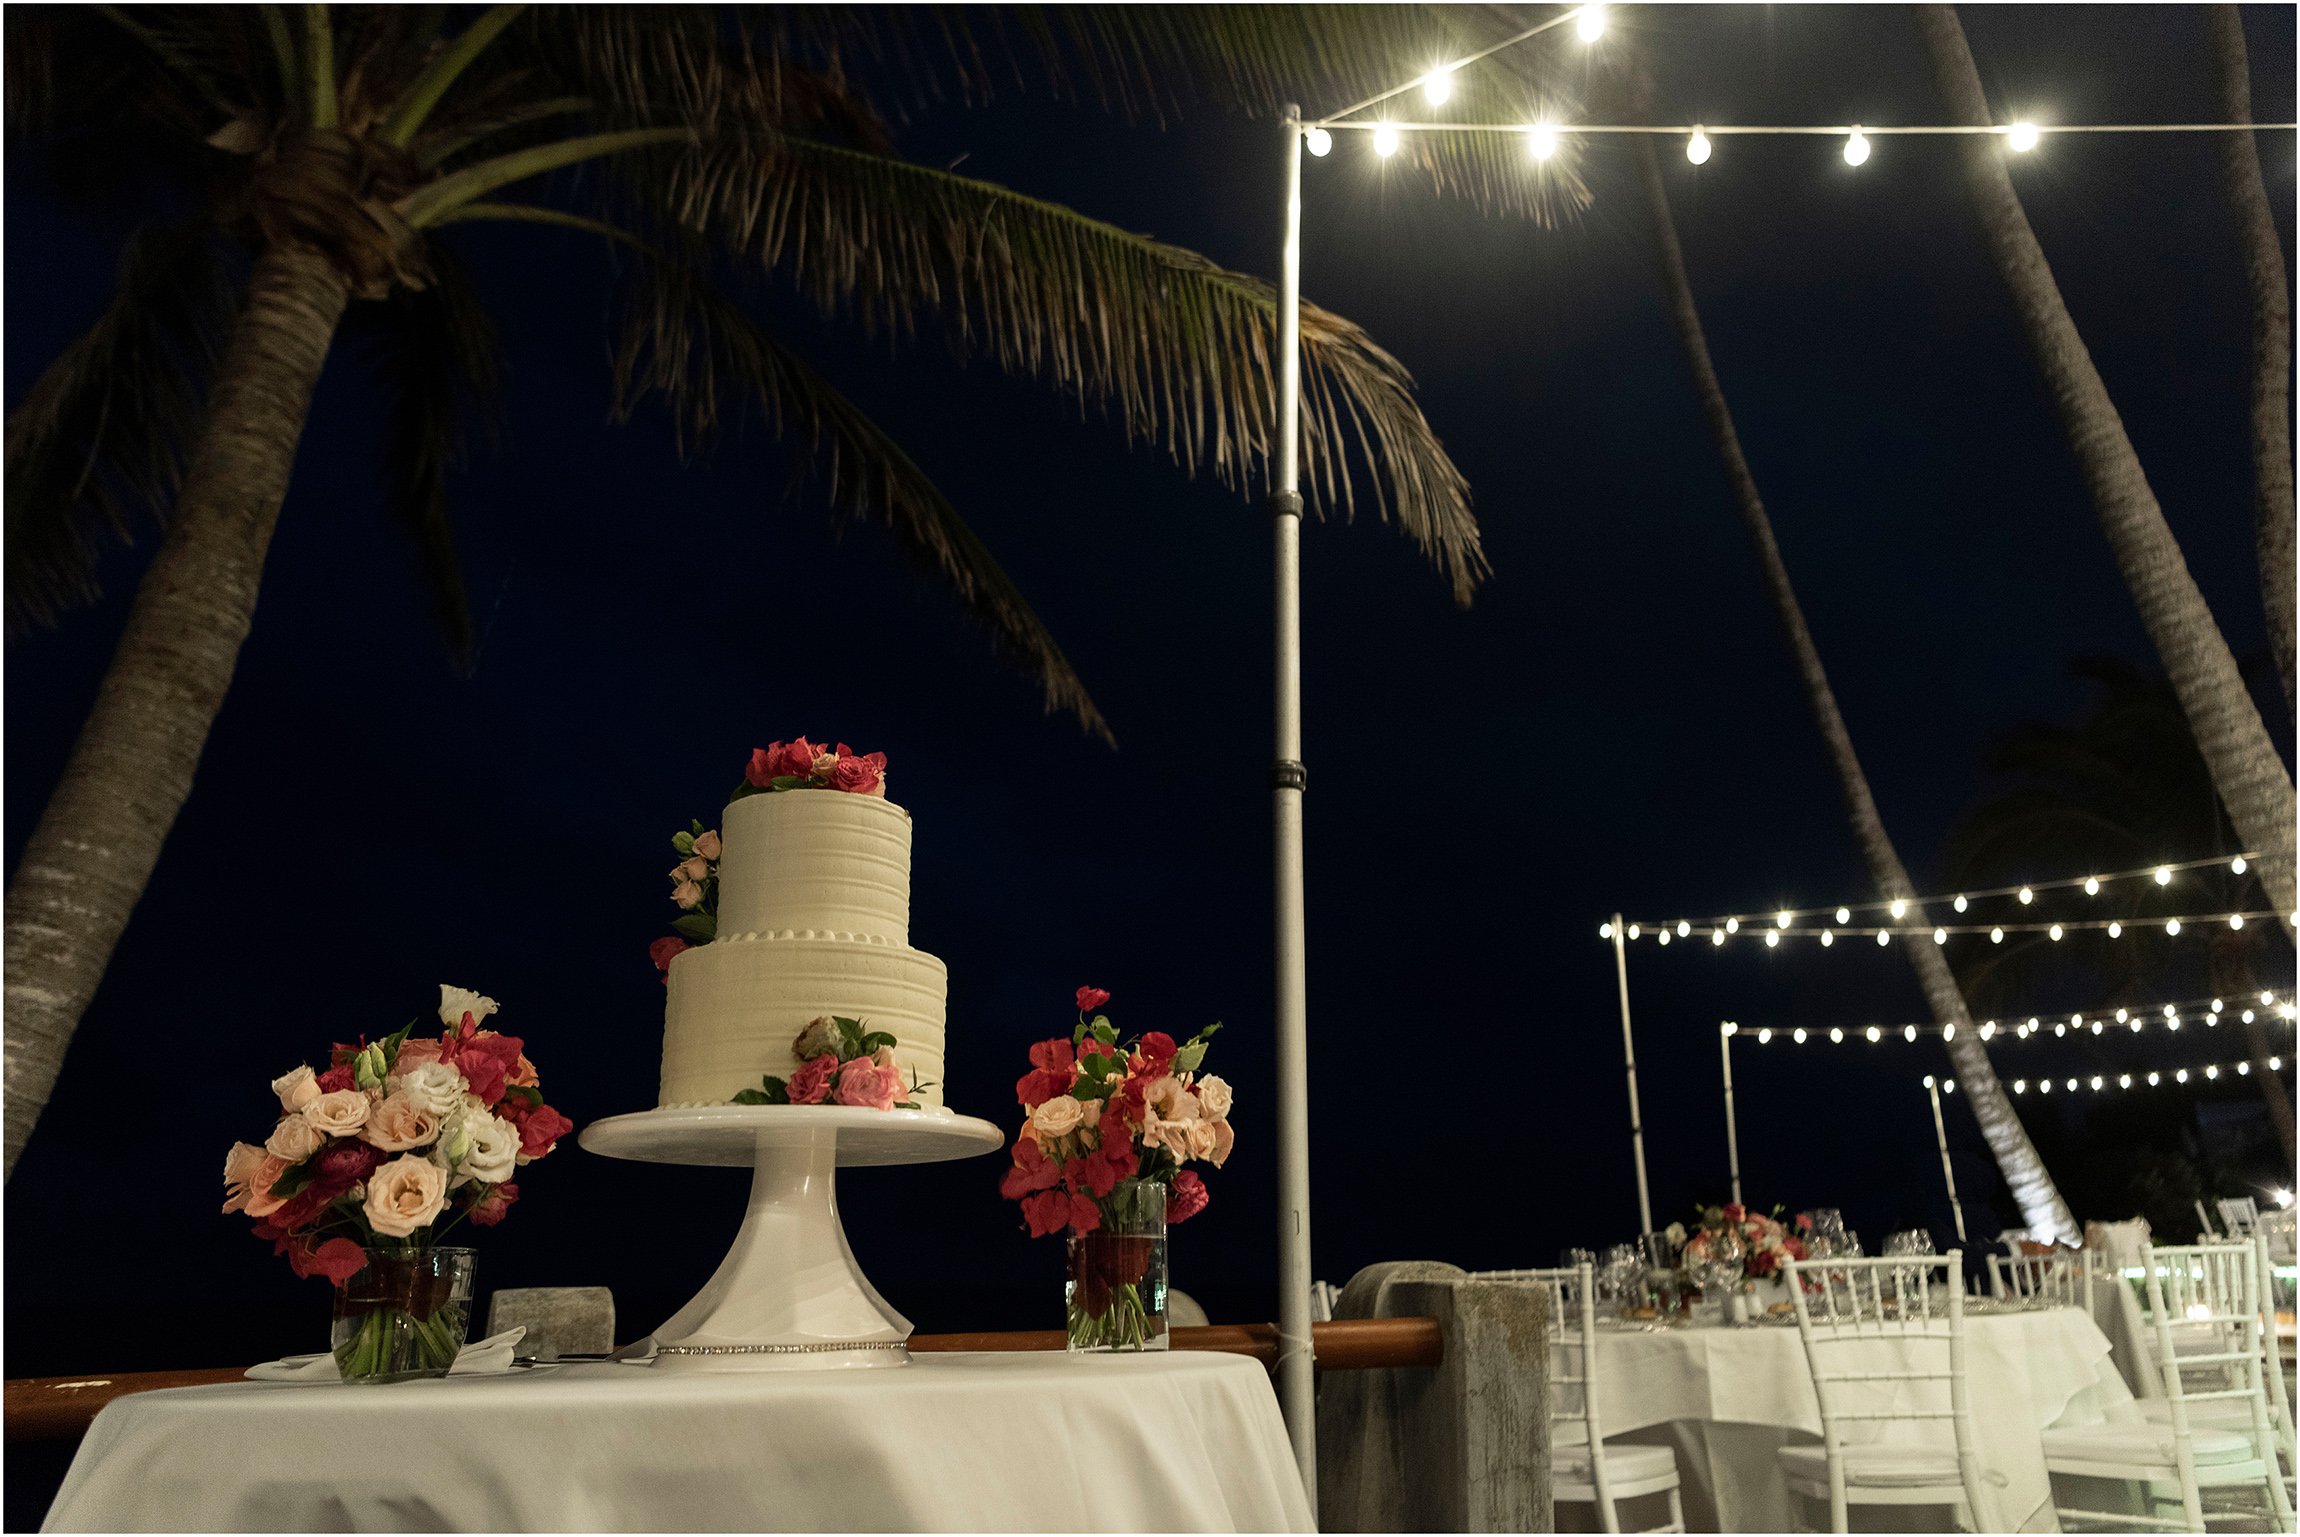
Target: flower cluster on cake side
(776, 769)
(1102, 1110)
(841, 1062)
(395, 1135)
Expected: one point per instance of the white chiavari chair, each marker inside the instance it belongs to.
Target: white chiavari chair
(1885, 1344)
(2203, 1306)
(2239, 1216)
(2061, 1279)
(1583, 1470)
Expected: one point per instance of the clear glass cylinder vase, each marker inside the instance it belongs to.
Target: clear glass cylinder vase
(1115, 1291)
(403, 1316)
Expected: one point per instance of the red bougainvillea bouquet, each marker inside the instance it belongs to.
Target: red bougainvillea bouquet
(1110, 1125)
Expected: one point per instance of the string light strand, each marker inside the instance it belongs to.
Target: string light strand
(2100, 1083)
(2100, 1022)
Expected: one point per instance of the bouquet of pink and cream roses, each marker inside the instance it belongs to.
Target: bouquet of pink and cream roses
(1765, 1244)
(396, 1142)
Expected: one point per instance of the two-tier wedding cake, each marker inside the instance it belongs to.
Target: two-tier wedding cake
(811, 885)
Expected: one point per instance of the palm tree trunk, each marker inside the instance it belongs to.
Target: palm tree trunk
(2272, 521)
(2246, 771)
(2017, 1159)
(97, 842)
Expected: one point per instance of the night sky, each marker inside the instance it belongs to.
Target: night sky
(1612, 725)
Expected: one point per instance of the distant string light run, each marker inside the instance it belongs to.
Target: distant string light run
(2208, 1012)
(2097, 1083)
(2114, 928)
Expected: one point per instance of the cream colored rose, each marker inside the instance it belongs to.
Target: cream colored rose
(1058, 1117)
(1223, 1138)
(687, 895)
(1201, 1139)
(1187, 1108)
(707, 844)
(1165, 1097)
(819, 1036)
(296, 1089)
(824, 763)
(434, 1086)
(490, 1150)
(399, 1124)
(340, 1114)
(1214, 1096)
(294, 1139)
(404, 1194)
(455, 1002)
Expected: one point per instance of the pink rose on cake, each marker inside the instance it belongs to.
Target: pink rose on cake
(858, 773)
(867, 1085)
(811, 1084)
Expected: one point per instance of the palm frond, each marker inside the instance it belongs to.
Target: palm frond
(435, 352)
(101, 437)
(1179, 349)
(690, 343)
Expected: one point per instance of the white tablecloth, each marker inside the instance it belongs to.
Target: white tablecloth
(1184, 1441)
(1727, 1399)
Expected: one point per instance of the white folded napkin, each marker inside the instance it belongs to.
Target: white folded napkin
(492, 1354)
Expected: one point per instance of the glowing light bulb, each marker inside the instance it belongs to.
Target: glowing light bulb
(2121, 1016)
(2022, 137)
(1960, 902)
(2173, 1023)
(1781, 920)
(1633, 931)
(1318, 142)
(2275, 1064)
(1385, 141)
(2060, 1030)
(1836, 1036)
(1589, 26)
(2268, 998)
(1716, 936)
(1844, 915)
(2237, 866)
(1940, 936)
(1875, 1035)
(2124, 1080)
(1827, 938)
(1772, 939)
(1437, 86)
(1732, 925)
(2236, 920)
(2026, 896)
(1884, 938)
(2114, 928)
(1798, 1035)
(2171, 1012)
(2164, 875)
(1928, 1080)
(1541, 139)
(1899, 908)
(1764, 1036)
(1857, 149)
(1697, 147)
(2053, 932)
(1605, 931)
(1683, 928)
(2092, 885)
(2216, 1005)
(1948, 1086)
(2154, 1080)
(2172, 925)
(2072, 1086)
(1996, 936)
(2097, 1027)
(2243, 1069)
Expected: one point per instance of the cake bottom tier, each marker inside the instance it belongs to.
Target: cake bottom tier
(736, 1005)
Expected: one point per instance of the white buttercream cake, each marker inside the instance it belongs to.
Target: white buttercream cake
(813, 919)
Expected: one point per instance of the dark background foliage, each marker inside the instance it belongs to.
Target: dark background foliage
(1613, 724)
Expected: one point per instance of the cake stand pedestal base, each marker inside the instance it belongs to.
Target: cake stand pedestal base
(788, 1294)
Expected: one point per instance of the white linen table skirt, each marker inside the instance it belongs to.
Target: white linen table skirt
(1181, 1441)
(1727, 1399)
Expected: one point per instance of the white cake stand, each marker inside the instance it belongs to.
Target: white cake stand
(789, 1293)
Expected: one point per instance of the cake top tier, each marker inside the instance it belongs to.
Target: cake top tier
(815, 859)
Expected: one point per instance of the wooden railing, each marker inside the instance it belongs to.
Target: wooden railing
(60, 1408)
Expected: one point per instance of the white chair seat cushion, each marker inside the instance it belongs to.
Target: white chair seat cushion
(1623, 1464)
(2140, 1445)
(2218, 1413)
(1875, 1467)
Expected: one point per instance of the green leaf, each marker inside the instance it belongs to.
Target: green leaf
(774, 1091)
(683, 842)
(694, 828)
(877, 1038)
(296, 1177)
(850, 1038)
(1092, 1088)
(1105, 1032)
(1078, 1034)
(750, 1097)
(788, 782)
(392, 1042)
(1187, 1059)
(701, 927)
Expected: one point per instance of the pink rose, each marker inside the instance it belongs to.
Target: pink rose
(811, 1084)
(336, 1077)
(784, 760)
(399, 1125)
(868, 1086)
(486, 1059)
(1201, 1138)
(539, 1129)
(688, 895)
(707, 844)
(1186, 1199)
(494, 1204)
(693, 868)
(343, 1166)
(1214, 1095)
(249, 1174)
(413, 1054)
(863, 775)
(340, 1112)
(523, 1074)
(761, 769)
(1223, 1138)
(405, 1194)
(825, 761)
(1092, 998)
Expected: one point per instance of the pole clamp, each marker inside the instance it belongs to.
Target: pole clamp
(1288, 774)
(1286, 504)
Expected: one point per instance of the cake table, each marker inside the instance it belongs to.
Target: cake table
(789, 1293)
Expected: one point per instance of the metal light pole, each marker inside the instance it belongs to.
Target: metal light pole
(1297, 1379)
(1732, 1128)
(1629, 1060)
(1941, 1137)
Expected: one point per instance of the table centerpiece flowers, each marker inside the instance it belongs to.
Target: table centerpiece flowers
(1109, 1125)
(1761, 1244)
(376, 1159)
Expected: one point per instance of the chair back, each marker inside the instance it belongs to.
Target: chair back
(2239, 1216)
(2204, 1306)
(1885, 1342)
(2061, 1279)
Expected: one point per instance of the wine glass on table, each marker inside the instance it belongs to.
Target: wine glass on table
(1721, 1271)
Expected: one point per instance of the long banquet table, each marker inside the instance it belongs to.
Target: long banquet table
(1182, 1441)
(1727, 1399)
